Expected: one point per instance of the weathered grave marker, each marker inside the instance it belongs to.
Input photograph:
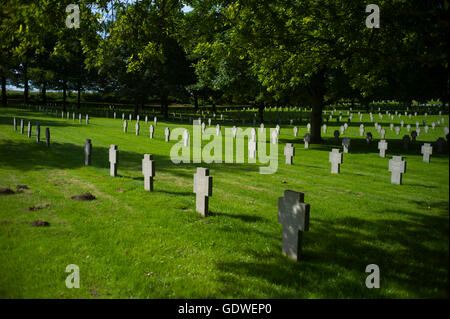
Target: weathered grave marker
(336, 160)
(293, 214)
(426, 151)
(148, 170)
(87, 152)
(202, 190)
(289, 152)
(113, 160)
(382, 146)
(397, 167)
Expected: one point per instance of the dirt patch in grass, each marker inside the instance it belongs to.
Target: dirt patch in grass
(83, 197)
(6, 191)
(38, 207)
(40, 223)
(20, 188)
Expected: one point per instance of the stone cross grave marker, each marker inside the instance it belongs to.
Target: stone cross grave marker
(87, 118)
(426, 151)
(217, 129)
(274, 137)
(155, 120)
(295, 129)
(29, 129)
(113, 160)
(293, 214)
(346, 144)
(369, 137)
(382, 146)
(186, 138)
(397, 166)
(308, 127)
(87, 152)
(336, 160)
(307, 139)
(289, 152)
(383, 133)
(234, 131)
(47, 136)
(38, 133)
(15, 124)
(130, 117)
(336, 136)
(414, 135)
(125, 126)
(324, 129)
(21, 126)
(167, 133)
(202, 190)
(440, 142)
(151, 130)
(397, 130)
(361, 130)
(137, 127)
(252, 148)
(406, 140)
(148, 170)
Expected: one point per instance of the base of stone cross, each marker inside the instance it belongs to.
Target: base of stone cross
(201, 204)
(113, 170)
(396, 178)
(291, 243)
(335, 168)
(148, 183)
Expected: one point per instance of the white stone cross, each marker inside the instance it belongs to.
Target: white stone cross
(148, 170)
(426, 150)
(397, 166)
(167, 133)
(186, 138)
(289, 152)
(137, 128)
(113, 160)
(202, 190)
(125, 125)
(382, 146)
(336, 160)
(151, 130)
(293, 214)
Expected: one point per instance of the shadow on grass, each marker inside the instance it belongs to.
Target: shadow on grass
(410, 248)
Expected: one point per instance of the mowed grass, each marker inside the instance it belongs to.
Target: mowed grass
(130, 243)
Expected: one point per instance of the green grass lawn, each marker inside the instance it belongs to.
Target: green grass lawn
(130, 243)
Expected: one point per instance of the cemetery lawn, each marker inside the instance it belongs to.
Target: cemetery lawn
(130, 243)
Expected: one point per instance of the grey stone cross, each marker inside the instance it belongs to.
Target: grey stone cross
(15, 124)
(307, 139)
(202, 190)
(113, 160)
(167, 133)
(29, 129)
(293, 214)
(426, 150)
(151, 130)
(125, 126)
(38, 133)
(382, 146)
(87, 152)
(21, 126)
(47, 136)
(397, 166)
(148, 170)
(335, 159)
(346, 144)
(289, 152)
(137, 127)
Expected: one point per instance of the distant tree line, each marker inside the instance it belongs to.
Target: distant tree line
(257, 52)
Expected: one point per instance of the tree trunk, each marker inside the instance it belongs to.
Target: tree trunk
(64, 95)
(4, 98)
(261, 112)
(25, 80)
(317, 92)
(195, 101)
(165, 108)
(79, 96)
(44, 93)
